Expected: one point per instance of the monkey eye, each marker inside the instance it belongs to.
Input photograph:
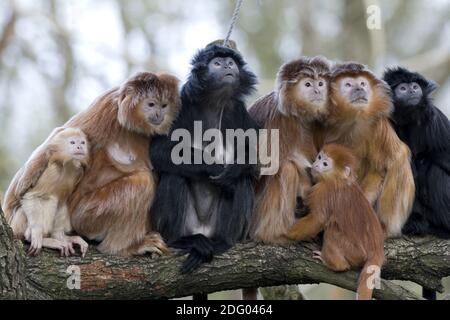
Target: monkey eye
(308, 84)
(320, 84)
(164, 106)
(415, 87)
(230, 63)
(83, 142)
(403, 88)
(217, 63)
(348, 84)
(325, 164)
(320, 157)
(151, 104)
(72, 142)
(363, 84)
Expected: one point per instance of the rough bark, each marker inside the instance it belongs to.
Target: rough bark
(12, 265)
(424, 261)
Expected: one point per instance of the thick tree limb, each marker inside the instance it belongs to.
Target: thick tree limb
(424, 261)
(248, 265)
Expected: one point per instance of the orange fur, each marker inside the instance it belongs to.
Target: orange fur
(385, 173)
(295, 118)
(112, 202)
(353, 236)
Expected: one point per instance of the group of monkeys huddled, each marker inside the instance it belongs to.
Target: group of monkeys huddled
(366, 158)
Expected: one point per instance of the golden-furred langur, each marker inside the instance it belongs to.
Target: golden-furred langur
(111, 203)
(294, 108)
(36, 201)
(359, 119)
(353, 236)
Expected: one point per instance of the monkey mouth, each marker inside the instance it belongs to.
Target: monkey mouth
(361, 100)
(79, 155)
(156, 122)
(413, 100)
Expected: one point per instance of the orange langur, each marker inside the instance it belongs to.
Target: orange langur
(36, 201)
(353, 236)
(295, 108)
(359, 119)
(112, 201)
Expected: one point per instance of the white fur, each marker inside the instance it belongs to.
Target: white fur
(120, 155)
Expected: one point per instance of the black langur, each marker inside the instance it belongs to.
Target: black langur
(426, 130)
(204, 208)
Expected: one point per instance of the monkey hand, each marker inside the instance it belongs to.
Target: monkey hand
(317, 255)
(226, 179)
(35, 247)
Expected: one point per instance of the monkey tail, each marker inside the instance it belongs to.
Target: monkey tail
(369, 278)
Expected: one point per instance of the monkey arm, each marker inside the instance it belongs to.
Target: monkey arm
(442, 159)
(160, 155)
(306, 228)
(237, 170)
(32, 171)
(371, 185)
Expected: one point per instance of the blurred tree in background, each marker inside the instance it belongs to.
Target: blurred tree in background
(57, 56)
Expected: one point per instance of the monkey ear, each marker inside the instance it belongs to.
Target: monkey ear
(431, 86)
(347, 171)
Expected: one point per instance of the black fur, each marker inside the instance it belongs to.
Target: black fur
(235, 182)
(426, 130)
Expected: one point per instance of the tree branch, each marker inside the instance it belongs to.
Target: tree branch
(424, 261)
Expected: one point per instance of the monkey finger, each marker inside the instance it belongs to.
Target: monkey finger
(64, 250)
(84, 249)
(31, 251)
(191, 263)
(71, 249)
(318, 256)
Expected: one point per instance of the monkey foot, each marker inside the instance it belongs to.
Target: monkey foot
(35, 247)
(154, 245)
(318, 256)
(79, 241)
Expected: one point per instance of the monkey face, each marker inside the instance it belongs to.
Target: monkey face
(314, 91)
(408, 94)
(355, 90)
(154, 109)
(77, 147)
(223, 71)
(322, 166)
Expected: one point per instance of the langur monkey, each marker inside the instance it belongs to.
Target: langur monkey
(112, 201)
(35, 202)
(295, 108)
(298, 104)
(353, 236)
(359, 115)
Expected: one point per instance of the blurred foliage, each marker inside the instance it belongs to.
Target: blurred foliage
(57, 56)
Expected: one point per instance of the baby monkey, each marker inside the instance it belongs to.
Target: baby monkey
(35, 202)
(353, 236)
